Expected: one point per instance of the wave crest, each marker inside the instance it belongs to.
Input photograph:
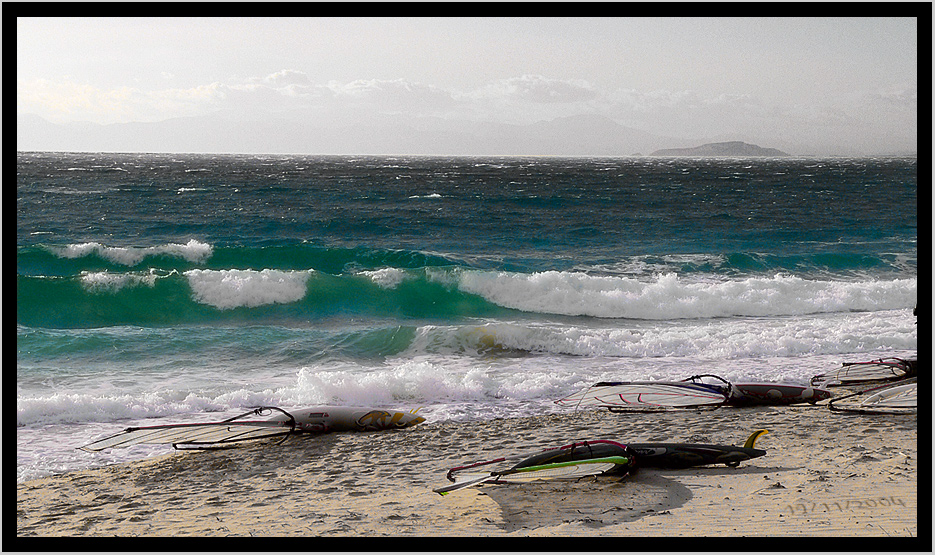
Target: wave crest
(669, 297)
(193, 251)
(226, 289)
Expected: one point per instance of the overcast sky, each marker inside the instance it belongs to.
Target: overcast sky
(824, 81)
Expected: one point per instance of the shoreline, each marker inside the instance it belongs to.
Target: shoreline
(824, 474)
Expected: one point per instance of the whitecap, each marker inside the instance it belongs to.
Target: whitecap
(192, 251)
(226, 289)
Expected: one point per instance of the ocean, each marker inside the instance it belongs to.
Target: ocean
(155, 288)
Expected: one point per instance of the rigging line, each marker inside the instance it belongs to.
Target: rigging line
(730, 386)
(267, 410)
(583, 396)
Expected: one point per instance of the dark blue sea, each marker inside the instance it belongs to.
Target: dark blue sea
(159, 288)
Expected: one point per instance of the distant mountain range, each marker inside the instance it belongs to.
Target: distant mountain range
(583, 135)
(731, 148)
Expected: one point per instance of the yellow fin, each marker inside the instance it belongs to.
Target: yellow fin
(753, 437)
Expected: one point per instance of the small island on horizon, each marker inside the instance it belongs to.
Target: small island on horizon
(730, 148)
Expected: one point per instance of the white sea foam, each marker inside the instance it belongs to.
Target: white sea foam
(410, 381)
(443, 386)
(156, 400)
(226, 289)
(109, 282)
(63, 407)
(667, 296)
(727, 338)
(192, 251)
(387, 278)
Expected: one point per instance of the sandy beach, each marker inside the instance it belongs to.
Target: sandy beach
(824, 474)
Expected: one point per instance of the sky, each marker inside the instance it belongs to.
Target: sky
(821, 85)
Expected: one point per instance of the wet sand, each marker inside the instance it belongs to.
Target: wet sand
(824, 474)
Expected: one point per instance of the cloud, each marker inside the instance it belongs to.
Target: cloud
(903, 96)
(268, 91)
(69, 101)
(292, 95)
(537, 89)
(285, 78)
(531, 98)
(396, 95)
(522, 100)
(292, 92)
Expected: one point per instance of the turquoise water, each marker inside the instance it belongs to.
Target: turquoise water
(152, 286)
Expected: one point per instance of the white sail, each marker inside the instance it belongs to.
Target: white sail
(646, 395)
(191, 434)
(858, 372)
(897, 396)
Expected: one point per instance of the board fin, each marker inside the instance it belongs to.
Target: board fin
(751, 441)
